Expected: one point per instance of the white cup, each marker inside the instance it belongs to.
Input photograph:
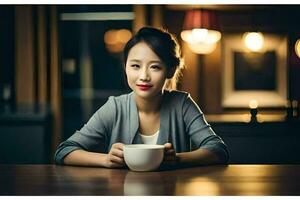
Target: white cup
(143, 157)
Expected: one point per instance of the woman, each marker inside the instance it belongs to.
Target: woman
(149, 114)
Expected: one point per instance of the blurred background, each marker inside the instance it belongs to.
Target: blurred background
(60, 63)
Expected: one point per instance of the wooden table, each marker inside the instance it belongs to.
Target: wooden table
(209, 180)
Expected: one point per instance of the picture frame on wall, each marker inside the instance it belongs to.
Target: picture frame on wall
(254, 76)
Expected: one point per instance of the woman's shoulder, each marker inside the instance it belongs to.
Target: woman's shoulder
(176, 93)
(176, 96)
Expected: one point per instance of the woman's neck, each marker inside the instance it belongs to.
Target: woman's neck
(151, 105)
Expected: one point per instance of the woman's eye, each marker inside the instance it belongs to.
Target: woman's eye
(135, 66)
(155, 67)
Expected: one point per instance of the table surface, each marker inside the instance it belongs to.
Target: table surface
(207, 180)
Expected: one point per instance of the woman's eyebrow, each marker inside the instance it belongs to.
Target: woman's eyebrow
(152, 61)
(134, 60)
(155, 61)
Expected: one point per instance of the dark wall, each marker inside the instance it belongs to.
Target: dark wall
(261, 143)
(6, 49)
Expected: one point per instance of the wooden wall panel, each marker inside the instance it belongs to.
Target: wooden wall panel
(24, 63)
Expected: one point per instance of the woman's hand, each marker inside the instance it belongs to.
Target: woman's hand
(115, 158)
(170, 158)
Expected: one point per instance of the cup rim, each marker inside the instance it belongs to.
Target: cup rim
(144, 146)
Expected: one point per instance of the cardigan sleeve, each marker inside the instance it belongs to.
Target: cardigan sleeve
(200, 132)
(93, 135)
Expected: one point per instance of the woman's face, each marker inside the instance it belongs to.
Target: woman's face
(146, 73)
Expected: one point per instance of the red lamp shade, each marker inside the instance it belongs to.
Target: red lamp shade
(200, 31)
(200, 19)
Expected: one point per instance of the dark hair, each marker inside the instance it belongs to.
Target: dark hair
(164, 45)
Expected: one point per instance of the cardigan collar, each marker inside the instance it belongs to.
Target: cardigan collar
(135, 138)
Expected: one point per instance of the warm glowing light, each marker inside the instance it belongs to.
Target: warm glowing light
(201, 35)
(202, 48)
(253, 104)
(198, 186)
(201, 41)
(297, 48)
(115, 40)
(254, 40)
(246, 118)
(123, 35)
(110, 37)
(252, 187)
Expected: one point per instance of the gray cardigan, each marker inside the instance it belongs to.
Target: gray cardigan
(182, 123)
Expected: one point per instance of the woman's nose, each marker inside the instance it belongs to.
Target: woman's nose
(144, 75)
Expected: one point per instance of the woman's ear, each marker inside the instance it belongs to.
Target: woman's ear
(171, 72)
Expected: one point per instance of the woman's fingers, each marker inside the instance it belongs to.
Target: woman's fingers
(117, 152)
(115, 165)
(118, 146)
(115, 155)
(170, 152)
(168, 146)
(170, 156)
(169, 149)
(116, 159)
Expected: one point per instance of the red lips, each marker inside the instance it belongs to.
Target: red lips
(144, 87)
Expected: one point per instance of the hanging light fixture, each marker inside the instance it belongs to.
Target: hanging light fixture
(254, 40)
(297, 47)
(200, 31)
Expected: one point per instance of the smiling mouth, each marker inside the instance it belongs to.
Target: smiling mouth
(144, 87)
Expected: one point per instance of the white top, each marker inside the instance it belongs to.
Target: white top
(150, 139)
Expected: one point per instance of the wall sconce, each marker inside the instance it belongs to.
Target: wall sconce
(297, 48)
(253, 40)
(200, 31)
